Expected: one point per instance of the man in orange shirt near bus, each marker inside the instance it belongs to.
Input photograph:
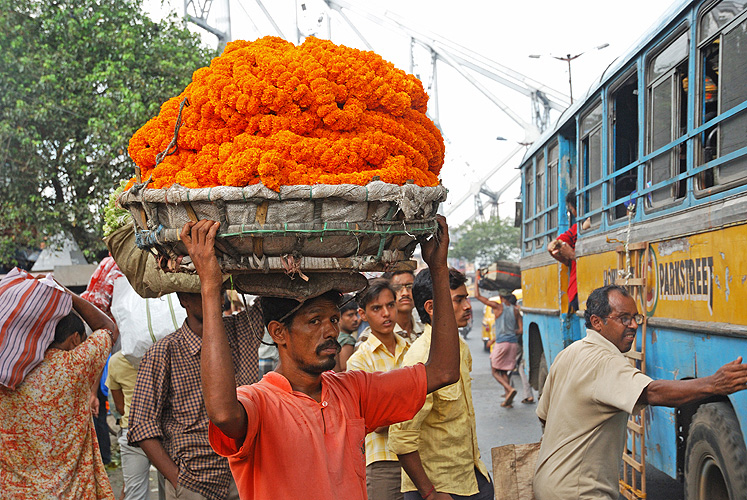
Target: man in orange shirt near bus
(299, 432)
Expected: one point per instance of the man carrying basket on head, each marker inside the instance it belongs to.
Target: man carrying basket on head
(300, 431)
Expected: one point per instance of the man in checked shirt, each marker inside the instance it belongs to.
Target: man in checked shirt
(168, 419)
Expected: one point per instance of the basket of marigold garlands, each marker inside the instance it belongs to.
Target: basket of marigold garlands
(313, 158)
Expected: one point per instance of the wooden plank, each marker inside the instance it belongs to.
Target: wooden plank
(631, 282)
(633, 463)
(634, 355)
(513, 471)
(637, 428)
(190, 212)
(632, 247)
(260, 216)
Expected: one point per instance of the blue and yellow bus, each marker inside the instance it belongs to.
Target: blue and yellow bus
(664, 131)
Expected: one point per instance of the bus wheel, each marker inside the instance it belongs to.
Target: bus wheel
(716, 458)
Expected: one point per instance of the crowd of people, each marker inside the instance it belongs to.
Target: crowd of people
(336, 396)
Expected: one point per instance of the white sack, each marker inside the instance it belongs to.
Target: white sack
(142, 322)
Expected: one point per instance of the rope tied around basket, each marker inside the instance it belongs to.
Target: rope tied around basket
(166, 152)
(292, 266)
(173, 144)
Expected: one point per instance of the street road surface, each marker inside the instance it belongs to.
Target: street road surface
(497, 426)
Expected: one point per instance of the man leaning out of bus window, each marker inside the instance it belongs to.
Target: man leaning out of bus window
(563, 249)
(590, 392)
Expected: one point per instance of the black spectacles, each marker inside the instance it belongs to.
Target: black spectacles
(627, 320)
(397, 288)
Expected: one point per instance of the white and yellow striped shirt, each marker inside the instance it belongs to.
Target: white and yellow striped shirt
(373, 356)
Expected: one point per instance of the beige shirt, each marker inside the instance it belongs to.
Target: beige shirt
(443, 431)
(590, 392)
(122, 375)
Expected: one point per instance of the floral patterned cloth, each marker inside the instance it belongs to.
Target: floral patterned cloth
(48, 447)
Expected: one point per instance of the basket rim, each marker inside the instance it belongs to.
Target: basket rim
(373, 191)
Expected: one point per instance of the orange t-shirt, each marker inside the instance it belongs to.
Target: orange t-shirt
(296, 447)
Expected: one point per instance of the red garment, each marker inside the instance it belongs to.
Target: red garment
(99, 290)
(570, 238)
(296, 447)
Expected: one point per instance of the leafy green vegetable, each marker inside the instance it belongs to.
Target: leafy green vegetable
(114, 216)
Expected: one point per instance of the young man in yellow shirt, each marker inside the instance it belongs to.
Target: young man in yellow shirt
(438, 448)
(382, 351)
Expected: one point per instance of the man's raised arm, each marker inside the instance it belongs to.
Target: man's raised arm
(442, 367)
(216, 365)
(497, 306)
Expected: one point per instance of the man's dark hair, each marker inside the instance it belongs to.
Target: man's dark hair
(284, 310)
(391, 274)
(68, 326)
(598, 303)
(372, 292)
(422, 289)
(348, 304)
(570, 198)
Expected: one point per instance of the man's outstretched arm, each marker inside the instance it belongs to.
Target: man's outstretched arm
(217, 372)
(731, 377)
(442, 367)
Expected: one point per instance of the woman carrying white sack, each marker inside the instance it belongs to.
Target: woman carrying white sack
(48, 446)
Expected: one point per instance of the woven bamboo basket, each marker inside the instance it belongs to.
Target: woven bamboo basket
(299, 231)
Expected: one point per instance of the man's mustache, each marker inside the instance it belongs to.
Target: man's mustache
(329, 344)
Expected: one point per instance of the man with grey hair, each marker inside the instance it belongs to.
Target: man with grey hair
(591, 390)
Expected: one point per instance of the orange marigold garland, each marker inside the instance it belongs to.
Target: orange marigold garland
(270, 112)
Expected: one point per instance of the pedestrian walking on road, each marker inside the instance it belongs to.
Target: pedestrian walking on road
(504, 347)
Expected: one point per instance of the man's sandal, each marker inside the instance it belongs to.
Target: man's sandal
(509, 398)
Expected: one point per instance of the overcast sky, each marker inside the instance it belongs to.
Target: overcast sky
(506, 32)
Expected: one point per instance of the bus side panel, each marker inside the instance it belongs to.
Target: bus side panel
(549, 328)
(540, 287)
(700, 277)
(676, 355)
(593, 271)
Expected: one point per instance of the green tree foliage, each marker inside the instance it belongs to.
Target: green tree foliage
(484, 242)
(77, 79)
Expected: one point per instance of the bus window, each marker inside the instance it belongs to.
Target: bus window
(552, 190)
(667, 113)
(722, 44)
(623, 127)
(528, 207)
(591, 161)
(539, 223)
